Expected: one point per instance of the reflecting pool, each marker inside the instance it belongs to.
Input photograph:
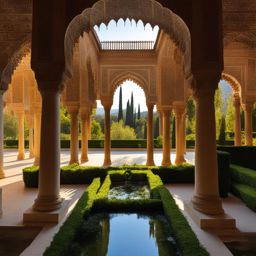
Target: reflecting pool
(125, 234)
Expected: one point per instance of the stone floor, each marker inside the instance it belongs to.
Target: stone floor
(17, 199)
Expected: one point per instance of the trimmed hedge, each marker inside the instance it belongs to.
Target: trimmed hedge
(243, 175)
(246, 193)
(243, 156)
(185, 237)
(62, 240)
(75, 174)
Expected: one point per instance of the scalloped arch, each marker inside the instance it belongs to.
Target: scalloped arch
(150, 11)
(235, 85)
(23, 50)
(129, 76)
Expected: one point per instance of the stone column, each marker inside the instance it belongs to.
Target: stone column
(84, 131)
(2, 175)
(31, 142)
(166, 113)
(89, 125)
(161, 131)
(21, 150)
(206, 195)
(237, 106)
(107, 142)
(150, 137)
(74, 142)
(48, 198)
(37, 134)
(179, 132)
(184, 144)
(248, 123)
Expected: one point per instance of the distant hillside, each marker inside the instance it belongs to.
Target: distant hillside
(100, 112)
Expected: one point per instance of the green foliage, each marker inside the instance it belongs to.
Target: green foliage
(173, 132)
(218, 102)
(64, 120)
(156, 127)
(10, 126)
(139, 116)
(246, 193)
(191, 112)
(96, 131)
(243, 175)
(222, 133)
(230, 115)
(62, 240)
(159, 142)
(139, 130)
(120, 110)
(121, 132)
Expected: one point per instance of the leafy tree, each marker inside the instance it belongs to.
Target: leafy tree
(10, 126)
(145, 131)
(64, 120)
(156, 127)
(173, 132)
(230, 115)
(222, 133)
(140, 124)
(120, 111)
(218, 109)
(191, 112)
(96, 131)
(120, 132)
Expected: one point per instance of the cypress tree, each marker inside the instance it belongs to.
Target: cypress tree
(222, 135)
(156, 127)
(120, 111)
(173, 132)
(132, 111)
(134, 119)
(139, 113)
(127, 113)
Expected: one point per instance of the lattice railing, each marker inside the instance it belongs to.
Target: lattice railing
(127, 45)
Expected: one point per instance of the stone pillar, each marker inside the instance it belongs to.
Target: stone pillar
(37, 135)
(31, 142)
(107, 142)
(89, 124)
(150, 137)
(2, 175)
(84, 132)
(161, 125)
(166, 113)
(179, 132)
(21, 147)
(183, 133)
(48, 198)
(206, 195)
(237, 106)
(74, 142)
(248, 123)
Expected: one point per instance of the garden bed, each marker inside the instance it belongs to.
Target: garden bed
(95, 200)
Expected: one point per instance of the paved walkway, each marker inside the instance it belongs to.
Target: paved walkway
(16, 199)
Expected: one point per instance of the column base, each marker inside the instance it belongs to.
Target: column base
(180, 160)
(210, 205)
(166, 162)
(222, 223)
(32, 217)
(107, 163)
(150, 163)
(74, 162)
(21, 156)
(47, 204)
(84, 159)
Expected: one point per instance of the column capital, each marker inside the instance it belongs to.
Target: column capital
(84, 112)
(107, 104)
(150, 105)
(73, 109)
(248, 106)
(205, 82)
(179, 109)
(165, 109)
(236, 101)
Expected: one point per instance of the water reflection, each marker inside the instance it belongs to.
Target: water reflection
(124, 234)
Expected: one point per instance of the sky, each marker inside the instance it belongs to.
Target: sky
(130, 31)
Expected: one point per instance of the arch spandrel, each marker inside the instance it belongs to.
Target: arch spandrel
(234, 83)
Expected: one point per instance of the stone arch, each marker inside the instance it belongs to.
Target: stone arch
(150, 11)
(91, 80)
(235, 85)
(23, 50)
(129, 76)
